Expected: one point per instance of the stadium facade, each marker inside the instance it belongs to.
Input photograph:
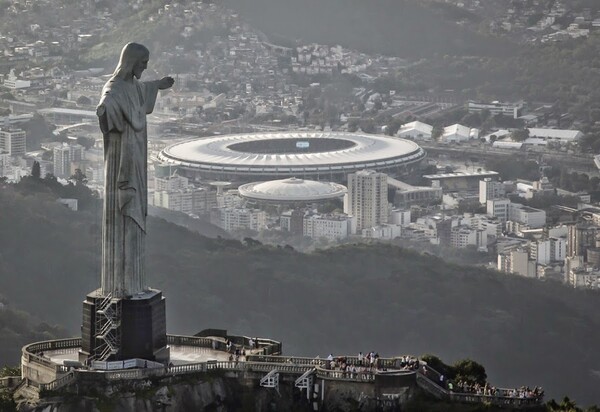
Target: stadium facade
(327, 156)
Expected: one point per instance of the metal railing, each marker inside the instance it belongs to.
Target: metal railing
(58, 383)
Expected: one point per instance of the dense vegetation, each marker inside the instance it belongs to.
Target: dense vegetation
(18, 328)
(356, 297)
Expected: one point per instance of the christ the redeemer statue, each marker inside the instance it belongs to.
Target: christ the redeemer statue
(122, 111)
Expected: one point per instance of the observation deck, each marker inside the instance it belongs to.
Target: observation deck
(51, 367)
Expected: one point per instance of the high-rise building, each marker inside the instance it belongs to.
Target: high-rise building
(489, 190)
(580, 238)
(549, 250)
(5, 166)
(367, 198)
(517, 261)
(64, 155)
(498, 208)
(13, 141)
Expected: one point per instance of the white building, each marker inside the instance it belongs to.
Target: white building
(231, 219)
(508, 109)
(13, 141)
(400, 217)
(463, 236)
(517, 261)
(556, 135)
(416, 130)
(489, 190)
(367, 198)
(587, 278)
(549, 250)
(331, 227)
(383, 232)
(528, 216)
(64, 155)
(458, 133)
(490, 225)
(191, 200)
(13, 82)
(170, 183)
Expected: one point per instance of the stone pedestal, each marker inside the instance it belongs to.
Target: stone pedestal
(139, 329)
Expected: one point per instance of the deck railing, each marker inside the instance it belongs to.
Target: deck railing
(270, 360)
(426, 382)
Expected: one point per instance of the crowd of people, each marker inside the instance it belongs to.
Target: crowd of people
(464, 386)
(523, 392)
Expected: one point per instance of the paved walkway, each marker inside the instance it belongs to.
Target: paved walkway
(180, 355)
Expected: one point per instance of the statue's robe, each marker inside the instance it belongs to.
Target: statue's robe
(122, 114)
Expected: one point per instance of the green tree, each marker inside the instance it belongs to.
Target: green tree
(36, 170)
(367, 125)
(437, 364)
(79, 178)
(437, 132)
(10, 371)
(470, 371)
(84, 101)
(520, 135)
(86, 142)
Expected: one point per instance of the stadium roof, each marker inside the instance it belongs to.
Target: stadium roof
(292, 190)
(305, 152)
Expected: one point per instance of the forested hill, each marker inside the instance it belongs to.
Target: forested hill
(405, 28)
(342, 300)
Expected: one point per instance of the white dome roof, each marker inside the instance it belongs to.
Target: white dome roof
(292, 190)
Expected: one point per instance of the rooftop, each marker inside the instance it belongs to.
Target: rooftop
(292, 190)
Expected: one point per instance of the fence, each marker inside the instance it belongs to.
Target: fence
(429, 385)
(339, 375)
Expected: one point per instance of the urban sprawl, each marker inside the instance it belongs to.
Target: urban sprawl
(238, 82)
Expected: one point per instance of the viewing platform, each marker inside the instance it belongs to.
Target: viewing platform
(52, 367)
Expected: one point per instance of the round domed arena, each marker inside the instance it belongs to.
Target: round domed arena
(291, 190)
(308, 155)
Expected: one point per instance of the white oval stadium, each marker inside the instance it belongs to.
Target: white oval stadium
(262, 156)
(291, 190)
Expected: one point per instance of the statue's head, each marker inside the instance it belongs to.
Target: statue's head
(134, 60)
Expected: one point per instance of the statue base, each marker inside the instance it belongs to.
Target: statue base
(124, 328)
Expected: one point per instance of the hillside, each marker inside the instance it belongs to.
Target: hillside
(18, 328)
(342, 300)
(406, 28)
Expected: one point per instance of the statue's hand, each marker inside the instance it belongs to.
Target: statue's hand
(165, 83)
